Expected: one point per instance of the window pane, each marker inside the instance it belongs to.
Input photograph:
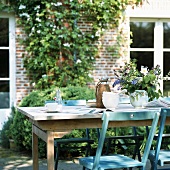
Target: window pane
(166, 65)
(166, 35)
(142, 34)
(4, 94)
(166, 88)
(4, 63)
(143, 59)
(4, 32)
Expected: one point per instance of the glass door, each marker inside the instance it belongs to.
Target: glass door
(4, 64)
(7, 66)
(166, 57)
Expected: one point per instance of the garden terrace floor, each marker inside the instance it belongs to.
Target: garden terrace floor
(14, 160)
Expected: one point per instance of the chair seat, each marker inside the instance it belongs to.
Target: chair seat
(164, 156)
(111, 162)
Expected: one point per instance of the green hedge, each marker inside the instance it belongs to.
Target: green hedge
(21, 129)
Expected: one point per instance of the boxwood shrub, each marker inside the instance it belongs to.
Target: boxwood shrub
(21, 128)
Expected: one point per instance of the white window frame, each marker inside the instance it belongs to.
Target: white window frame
(158, 41)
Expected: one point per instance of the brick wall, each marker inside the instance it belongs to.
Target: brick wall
(23, 86)
(106, 61)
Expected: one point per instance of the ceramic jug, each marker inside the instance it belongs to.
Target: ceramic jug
(101, 86)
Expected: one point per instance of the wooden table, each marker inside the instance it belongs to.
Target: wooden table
(48, 126)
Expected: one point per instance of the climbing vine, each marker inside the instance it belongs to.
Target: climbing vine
(62, 36)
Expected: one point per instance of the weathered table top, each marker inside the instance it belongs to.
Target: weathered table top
(48, 126)
(71, 112)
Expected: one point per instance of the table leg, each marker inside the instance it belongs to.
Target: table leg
(50, 150)
(35, 151)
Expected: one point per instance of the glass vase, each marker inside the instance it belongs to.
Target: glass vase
(139, 99)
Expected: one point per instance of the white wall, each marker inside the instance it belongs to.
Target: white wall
(4, 114)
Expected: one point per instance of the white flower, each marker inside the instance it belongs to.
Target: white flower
(22, 7)
(44, 75)
(33, 84)
(66, 44)
(144, 70)
(38, 19)
(24, 14)
(90, 75)
(97, 34)
(33, 28)
(102, 3)
(37, 7)
(38, 31)
(60, 36)
(78, 61)
(57, 4)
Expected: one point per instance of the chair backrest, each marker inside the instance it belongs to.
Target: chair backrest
(74, 102)
(127, 116)
(165, 112)
(80, 102)
(69, 102)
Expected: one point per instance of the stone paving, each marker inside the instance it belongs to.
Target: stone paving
(12, 160)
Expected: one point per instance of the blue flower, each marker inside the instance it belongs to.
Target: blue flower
(135, 81)
(118, 81)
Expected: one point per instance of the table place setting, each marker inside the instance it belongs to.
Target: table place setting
(72, 110)
(161, 102)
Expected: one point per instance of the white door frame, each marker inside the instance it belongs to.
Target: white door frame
(5, 113)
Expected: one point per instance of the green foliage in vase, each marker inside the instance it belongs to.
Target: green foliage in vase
(131, 79)
(18, 122)
(137, 94)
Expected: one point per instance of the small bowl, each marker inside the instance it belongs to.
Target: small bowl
(110, 100)
(53, 107)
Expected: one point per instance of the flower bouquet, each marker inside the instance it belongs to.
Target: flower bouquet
(131, 79)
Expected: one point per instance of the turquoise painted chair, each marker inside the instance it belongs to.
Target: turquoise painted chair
(99, 162)
(158, 156)
(63, 144)
(123, 141)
